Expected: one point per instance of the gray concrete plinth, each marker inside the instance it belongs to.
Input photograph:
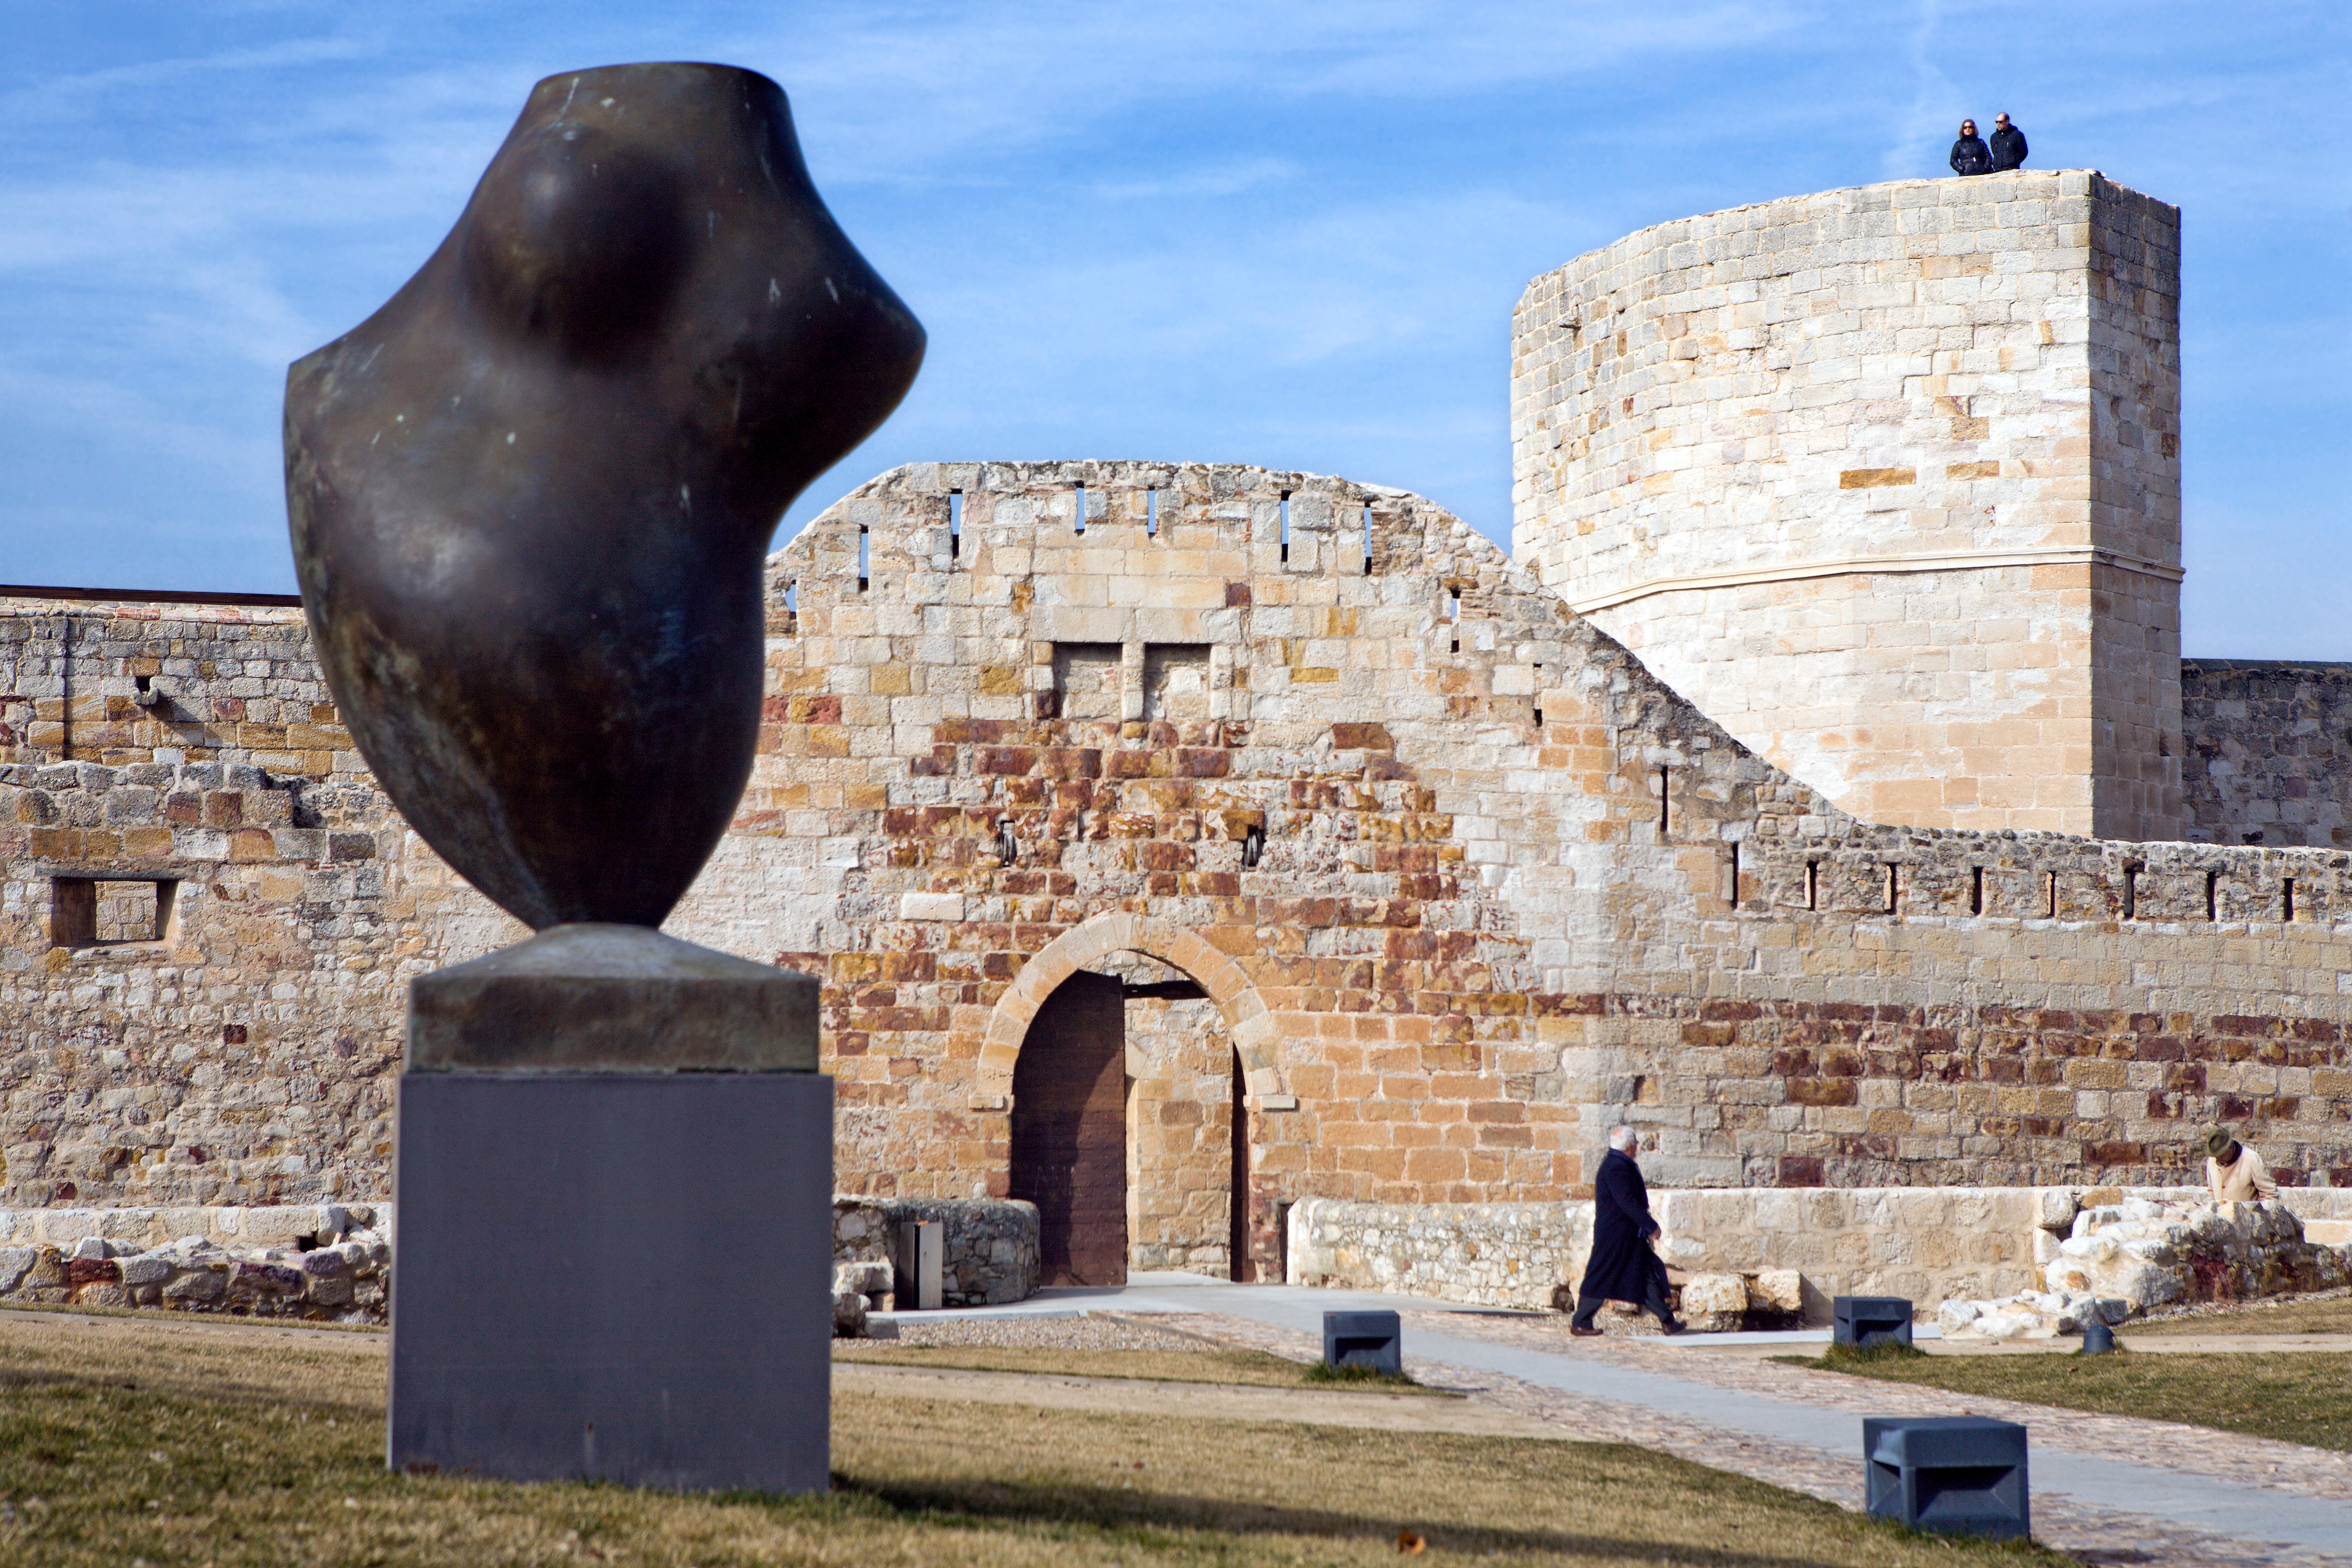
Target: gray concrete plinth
(559, 1310)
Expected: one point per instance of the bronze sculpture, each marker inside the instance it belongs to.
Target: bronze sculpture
(530, 499)
(530, 495)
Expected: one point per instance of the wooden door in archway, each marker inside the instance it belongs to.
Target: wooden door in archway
(1069, 1131)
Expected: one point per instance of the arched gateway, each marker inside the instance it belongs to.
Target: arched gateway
(1113, 1135)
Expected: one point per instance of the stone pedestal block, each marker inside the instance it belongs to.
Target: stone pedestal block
(1960, 1475)
(1374, 1341)
(1862, 1322)
(548, 1320)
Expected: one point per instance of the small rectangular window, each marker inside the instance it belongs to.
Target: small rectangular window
(1151, 511)
(861, 558)
(1976, 891)
(109, 911)
(1176, 681)
(1812, 884)
(1079, 511)
(1285, 527)
(1089, 679)
(955, 524)
(1368, 539)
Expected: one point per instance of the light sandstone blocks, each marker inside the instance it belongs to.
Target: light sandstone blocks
(1903, 513)
(1460, 881)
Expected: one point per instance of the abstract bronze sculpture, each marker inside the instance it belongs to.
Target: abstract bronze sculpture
(530, 499)
(530, 495)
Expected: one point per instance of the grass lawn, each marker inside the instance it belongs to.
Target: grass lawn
(2297, 1398)
(1257, 1369)
(115, 1450)
(2329, 1315)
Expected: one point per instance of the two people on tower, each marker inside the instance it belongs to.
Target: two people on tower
(1971, 156)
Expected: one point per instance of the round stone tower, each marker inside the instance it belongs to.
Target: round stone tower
(1887, 481)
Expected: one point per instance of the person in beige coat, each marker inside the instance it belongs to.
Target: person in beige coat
(2235, 1173)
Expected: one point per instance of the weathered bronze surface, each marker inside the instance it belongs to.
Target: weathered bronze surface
(530, 497)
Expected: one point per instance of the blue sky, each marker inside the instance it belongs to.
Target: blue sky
(1289, 235)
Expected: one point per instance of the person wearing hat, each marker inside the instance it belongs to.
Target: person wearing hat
(2235, 1173)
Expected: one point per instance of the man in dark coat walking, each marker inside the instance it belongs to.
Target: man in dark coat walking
(2008, 145)
(1623, 1268)
(1969, 154)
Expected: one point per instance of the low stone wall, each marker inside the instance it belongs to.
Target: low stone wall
(327, 1262)
(1923, 1244)
(1929, 1245)
(333, 1261)
(1497, 1255)
(289, 1226)
(991, 1245)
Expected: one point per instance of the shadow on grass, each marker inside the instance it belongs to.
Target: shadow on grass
(1136, 1511)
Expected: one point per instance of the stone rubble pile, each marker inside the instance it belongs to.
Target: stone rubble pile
(856, 1288)
(2120, 1259)
(1725, 1303)
(339, 1272)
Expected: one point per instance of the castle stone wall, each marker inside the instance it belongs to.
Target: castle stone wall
(1886, 481)
(1461, 882)
(2267, 751)
(116, 682)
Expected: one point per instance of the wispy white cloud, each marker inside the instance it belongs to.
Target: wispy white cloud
(1281, 233)
(1228, 178)
(68, 95)
(1927, 120)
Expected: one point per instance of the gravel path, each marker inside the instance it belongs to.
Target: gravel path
(1095, 1331)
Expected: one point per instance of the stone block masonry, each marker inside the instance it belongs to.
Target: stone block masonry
(991, 1248)
(1459, 880)
(1496, 1255)
(1886, 481)
(112, 682)
(1928, 1245)
(238, 1046)
(2267, 752)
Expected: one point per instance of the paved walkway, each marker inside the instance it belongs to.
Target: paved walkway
(2107, 1489)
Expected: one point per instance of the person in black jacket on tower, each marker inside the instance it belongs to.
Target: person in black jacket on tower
(1969, 154)
(1622, 1268)
(2008, 145)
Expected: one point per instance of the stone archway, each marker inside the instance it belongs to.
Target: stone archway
(1185, 1138)
(1244, 1013)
